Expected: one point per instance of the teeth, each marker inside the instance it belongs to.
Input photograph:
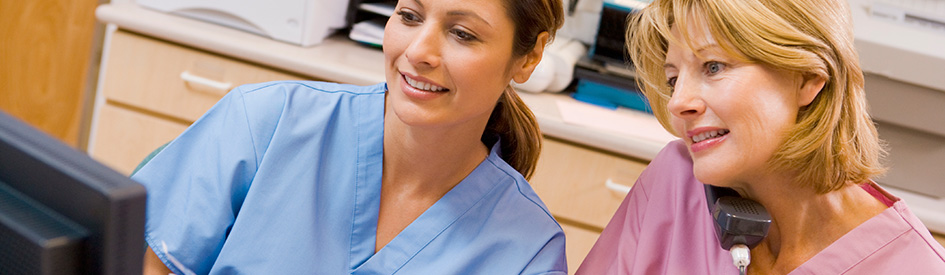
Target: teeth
(423, 85)
(708, 135)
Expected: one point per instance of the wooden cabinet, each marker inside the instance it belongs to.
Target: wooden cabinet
(153, 90)
(45, 51)
(582, 188)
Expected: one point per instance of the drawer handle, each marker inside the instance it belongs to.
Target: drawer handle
(620, 188)
(203, 81)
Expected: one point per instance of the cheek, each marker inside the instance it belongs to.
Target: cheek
(395, 41)
(679, 126)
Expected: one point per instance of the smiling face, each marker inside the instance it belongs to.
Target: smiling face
(732, 114)
(448, 61)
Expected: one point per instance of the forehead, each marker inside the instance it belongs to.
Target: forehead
(488, 10)
(689, 35)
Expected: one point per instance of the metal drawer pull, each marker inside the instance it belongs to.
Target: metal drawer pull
(199, 80)
(616, 187)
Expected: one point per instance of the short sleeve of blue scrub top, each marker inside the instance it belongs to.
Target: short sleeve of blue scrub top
(284, 178)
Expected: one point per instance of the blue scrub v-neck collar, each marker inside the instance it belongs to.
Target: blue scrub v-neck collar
(419, 233)
(435, 220)
(370, 150)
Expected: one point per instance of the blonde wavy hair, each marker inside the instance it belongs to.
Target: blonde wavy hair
(834, 141)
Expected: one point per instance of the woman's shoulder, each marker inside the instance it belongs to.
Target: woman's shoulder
(316, 87)
(668, 171)
(518, 188)
(674, 155)
(305, 102)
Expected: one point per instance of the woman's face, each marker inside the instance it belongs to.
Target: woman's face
(733, 115)
(448, 61)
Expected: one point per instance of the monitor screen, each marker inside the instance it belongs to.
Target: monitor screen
(62, 212)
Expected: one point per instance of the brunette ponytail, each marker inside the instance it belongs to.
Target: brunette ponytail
(516, 126)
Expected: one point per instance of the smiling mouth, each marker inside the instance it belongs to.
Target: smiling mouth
(709, 135)
(420, 85)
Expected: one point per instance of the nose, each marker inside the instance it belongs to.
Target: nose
(686, 101)
(424, 49)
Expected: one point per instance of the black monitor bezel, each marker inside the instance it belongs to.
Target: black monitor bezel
(108, 204)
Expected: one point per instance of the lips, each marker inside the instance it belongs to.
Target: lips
(704, 138)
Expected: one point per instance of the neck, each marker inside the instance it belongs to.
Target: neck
(804, 222)
(429, 160)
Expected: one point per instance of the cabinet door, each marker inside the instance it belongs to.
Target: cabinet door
(124, 137)
(173, 80)
(583, 185)
(580, 240)
(582, 188)
(45, 52)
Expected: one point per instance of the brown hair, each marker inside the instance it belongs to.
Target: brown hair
(834, 141)
(511, 120)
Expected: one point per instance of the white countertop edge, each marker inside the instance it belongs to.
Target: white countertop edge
(637, 148)
(303, 61)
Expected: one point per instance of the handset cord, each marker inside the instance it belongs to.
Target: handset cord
(741, 257)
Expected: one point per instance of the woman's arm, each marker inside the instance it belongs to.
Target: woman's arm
(153, 264)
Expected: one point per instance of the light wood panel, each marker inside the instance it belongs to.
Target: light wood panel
(150, 74)
(571, 179)
(124, 137)
(149, 103)
(579, 243)
(45, 50)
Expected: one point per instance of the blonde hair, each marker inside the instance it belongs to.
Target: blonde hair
(834, 141)
(511, 120)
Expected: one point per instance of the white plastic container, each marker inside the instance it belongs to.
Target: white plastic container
(300, 22)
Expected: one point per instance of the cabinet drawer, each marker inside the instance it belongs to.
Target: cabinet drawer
(579, 243)
(173, 80)
(124, 137)
(583, 185)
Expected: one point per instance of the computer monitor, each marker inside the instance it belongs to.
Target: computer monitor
(62, 212)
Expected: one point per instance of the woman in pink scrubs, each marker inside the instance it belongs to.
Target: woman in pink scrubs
(767, 97)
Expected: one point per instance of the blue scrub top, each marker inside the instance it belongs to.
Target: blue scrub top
(285, 178)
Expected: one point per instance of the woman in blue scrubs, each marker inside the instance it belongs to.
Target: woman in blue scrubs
(421, 175)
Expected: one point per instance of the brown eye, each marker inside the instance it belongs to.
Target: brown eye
(462, 35)
(408, 17)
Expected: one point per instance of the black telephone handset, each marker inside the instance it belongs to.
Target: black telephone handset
(737, 220)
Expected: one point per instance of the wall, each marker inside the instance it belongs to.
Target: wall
(46, 49)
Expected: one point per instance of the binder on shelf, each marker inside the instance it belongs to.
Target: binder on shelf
(371, 17)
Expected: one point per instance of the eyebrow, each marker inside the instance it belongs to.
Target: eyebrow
(464, 13)
(698, 50)
(707, 46)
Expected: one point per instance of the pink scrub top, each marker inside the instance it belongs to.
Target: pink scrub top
(663, 226)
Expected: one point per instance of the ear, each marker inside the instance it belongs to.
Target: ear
(531, 59)
(810, 87)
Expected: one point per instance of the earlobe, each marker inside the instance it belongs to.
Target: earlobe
(811, 87)
(531, 59)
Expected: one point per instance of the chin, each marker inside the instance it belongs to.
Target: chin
(710, 175)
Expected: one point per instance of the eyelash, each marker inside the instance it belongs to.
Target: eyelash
(463, 36)
(706, 67)
(413, 18)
